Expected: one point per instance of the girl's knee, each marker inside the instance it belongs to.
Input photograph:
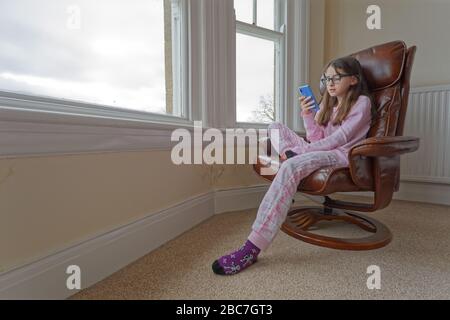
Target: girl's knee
(295, 163)
(289, 165)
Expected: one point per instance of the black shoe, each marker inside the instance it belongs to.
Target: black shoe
(217, 268)
(290, 154)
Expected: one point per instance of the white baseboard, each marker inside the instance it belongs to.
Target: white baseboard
(101, 256)
(241, 198)
(424, 192)
(435, 193)
(105, 254)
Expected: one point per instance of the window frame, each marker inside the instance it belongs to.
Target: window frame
(279, 39)
(24, 103)
(31, 126)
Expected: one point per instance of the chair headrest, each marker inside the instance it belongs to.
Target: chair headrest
(382, 64)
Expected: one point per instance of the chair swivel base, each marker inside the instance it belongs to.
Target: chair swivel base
(300, 220)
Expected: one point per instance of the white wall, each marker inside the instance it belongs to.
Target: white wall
(49, 203)
(417, 22)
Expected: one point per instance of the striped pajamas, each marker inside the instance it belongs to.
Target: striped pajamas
(278, 199)
(329, 146)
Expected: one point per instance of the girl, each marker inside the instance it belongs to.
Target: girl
(343, 120)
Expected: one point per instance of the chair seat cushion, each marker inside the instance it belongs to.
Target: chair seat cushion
(328, 180)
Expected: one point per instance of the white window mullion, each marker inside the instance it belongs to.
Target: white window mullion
(176, 57)
(255, 12)
(298, 57)
(279, 23)
(280, 110)
(218, 63)
(186, 107)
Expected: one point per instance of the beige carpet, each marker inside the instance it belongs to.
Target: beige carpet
(416, 265)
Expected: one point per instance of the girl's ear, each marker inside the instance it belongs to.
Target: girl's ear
(354, 80)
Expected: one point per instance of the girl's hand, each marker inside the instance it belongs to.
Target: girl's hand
(283, 156)
(306, 104)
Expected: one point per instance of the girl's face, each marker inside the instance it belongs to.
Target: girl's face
(339, 82)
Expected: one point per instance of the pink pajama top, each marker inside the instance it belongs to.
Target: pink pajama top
(339, 138)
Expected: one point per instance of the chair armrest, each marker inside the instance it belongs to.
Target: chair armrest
(375, 164)
(384, 146)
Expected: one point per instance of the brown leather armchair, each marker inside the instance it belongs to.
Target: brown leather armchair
(374, 162)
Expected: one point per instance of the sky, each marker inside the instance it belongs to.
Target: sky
(107, 60)
(254, 59)
(111, 52)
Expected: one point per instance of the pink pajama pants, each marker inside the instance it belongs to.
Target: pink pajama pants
(277, 201)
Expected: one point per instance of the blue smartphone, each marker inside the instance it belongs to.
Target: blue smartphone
(307, 92)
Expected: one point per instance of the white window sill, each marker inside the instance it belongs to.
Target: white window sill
(42, 127)
(252, 125)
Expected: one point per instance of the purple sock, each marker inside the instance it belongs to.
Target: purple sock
(237, 261)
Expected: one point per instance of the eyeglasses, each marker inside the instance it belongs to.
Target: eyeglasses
(334, 79)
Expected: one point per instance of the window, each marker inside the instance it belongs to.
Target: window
(52, 75)
(263, 9)
(259, 60)
(125, 56)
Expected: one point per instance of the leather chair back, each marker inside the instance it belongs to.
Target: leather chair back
(387, 69)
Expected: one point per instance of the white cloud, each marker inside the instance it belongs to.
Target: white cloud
(115, 57)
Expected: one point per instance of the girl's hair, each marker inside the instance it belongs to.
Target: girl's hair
(346, 65)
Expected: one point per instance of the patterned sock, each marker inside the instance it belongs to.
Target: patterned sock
(237, 261)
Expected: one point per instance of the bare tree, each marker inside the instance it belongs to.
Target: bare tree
(265, 112)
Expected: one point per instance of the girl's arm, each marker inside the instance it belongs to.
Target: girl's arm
(314, 132)
(358, 119)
